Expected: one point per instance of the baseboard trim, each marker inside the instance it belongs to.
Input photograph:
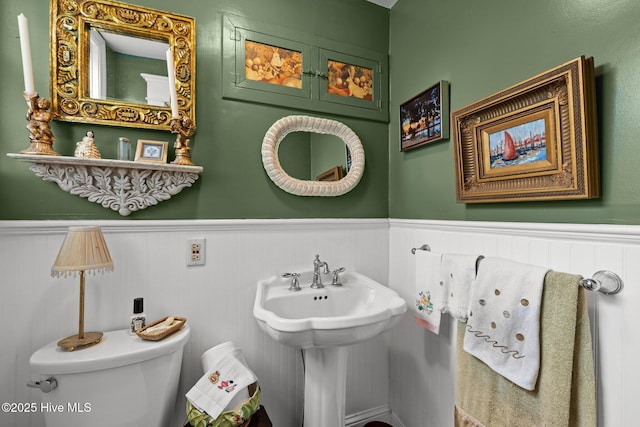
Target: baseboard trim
(395, 421)
(379, 413)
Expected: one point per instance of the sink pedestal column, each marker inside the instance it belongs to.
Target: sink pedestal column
(325, 382)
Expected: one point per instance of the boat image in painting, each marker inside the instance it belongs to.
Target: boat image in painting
(518, 145)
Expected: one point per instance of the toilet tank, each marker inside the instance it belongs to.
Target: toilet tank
(123, 381)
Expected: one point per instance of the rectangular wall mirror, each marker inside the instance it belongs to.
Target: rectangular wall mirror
(109, 66)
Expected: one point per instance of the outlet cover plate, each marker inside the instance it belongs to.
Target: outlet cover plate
(196, 252)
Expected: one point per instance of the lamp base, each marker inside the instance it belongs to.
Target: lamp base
(73, 342)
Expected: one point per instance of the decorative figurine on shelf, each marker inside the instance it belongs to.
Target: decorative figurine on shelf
(40, 133)
(86, 147)
(184, 129)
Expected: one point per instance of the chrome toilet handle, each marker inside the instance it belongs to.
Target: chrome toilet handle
(45, 385)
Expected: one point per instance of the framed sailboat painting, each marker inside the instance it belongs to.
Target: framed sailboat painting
(536, 140)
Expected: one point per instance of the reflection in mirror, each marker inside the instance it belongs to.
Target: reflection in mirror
(330, 182)
(126, 68)
(307, 156)
(94, 79)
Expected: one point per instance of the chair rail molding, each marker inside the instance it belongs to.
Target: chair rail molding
(609, 233)
(120, 185)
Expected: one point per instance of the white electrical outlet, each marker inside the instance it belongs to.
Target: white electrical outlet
(195, 251)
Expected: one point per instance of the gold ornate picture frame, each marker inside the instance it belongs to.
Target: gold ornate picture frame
(72, 23)
(536, 140)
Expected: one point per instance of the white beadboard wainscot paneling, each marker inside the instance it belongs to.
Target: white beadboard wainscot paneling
(417, 383)
(217, 298)
(423, 364)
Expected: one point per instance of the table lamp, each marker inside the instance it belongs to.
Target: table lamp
(84, 249)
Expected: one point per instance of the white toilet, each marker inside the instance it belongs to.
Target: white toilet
(123, 381)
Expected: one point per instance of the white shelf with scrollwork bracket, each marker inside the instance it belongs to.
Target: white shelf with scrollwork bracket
(120, 185)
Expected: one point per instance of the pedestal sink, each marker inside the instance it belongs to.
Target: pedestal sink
(323, 322)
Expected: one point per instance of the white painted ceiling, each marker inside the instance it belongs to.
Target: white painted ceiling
(136, 46)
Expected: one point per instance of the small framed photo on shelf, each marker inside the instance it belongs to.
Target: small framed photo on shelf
(151, 151)
(425, 117)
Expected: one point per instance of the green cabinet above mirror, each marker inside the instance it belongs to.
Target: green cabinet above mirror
(274, 65)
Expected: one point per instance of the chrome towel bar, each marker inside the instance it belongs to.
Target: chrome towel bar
(603, 281)
(421, 248)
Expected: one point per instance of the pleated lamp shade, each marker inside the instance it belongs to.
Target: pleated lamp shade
(84, 249)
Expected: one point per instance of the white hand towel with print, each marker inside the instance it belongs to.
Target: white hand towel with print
(427, 277)
(457, 274)
(503, 329)
(224, 382)
(209, 359)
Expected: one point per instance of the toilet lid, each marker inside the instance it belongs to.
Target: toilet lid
(117, 348)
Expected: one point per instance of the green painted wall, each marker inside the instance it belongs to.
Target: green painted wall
(479, 47)
(229, 134)
(482, 47)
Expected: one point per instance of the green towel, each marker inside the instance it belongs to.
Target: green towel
(565, 393)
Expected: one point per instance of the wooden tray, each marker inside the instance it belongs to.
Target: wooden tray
(178, 323)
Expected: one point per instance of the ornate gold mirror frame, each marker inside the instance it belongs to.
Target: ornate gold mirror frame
(70, 25)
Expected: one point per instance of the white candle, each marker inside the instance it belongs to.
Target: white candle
(25, 48)
(172, 85)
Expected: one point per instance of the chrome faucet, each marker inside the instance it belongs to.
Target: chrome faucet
(317, 279)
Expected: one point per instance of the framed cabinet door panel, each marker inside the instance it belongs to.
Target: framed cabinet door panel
(273, 65)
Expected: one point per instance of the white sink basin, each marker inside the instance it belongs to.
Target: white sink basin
(312, 318)
(323, 322)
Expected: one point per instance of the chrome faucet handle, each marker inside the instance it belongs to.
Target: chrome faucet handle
(295, 283)
(336, 278)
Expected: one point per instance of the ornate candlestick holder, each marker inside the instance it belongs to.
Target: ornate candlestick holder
(40, 133)
(184, 128)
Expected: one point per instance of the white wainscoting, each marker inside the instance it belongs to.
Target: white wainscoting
(423, 364)
(217, 299)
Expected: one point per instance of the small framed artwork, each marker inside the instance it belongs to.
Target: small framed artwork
(536, 140)
(151, 151)
(351, 80)
(425, 117)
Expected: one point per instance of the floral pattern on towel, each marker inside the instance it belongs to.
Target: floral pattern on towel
(423, 303)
